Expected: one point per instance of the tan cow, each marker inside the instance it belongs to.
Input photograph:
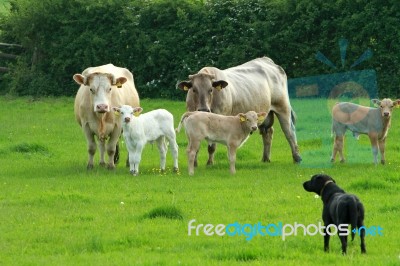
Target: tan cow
(232, 131)
(258, 85)
(103, 87)
(374, 122)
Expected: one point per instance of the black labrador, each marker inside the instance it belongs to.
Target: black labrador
(339, 208)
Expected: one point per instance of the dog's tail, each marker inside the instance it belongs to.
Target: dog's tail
(353, 213)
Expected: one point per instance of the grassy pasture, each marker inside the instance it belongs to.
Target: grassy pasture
(54, 212)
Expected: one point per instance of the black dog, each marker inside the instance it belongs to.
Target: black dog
(339, 208)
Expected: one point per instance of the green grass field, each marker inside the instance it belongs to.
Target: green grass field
(55, 212)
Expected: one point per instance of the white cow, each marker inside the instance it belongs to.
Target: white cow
(374, 122)
(138, 130)
(101, 88)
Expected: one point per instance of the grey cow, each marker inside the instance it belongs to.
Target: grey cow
(258, 85)
(374, 122)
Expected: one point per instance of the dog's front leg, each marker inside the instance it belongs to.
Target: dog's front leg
(326, 239)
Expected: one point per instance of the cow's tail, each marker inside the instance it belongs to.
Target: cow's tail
(181, 122)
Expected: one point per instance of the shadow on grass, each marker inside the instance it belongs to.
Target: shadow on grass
(168, 212)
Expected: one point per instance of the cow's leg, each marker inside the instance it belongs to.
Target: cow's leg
(382, 144)
(338, 148)
(162, 148)
(111, 148)
(192, 149)
(267, 131)
(267, 141)
(91, 146)
(211, 151)
(288, 129)
(102, 148)
(232, 157)
(134, 159)
(174, 150)
(373, 137)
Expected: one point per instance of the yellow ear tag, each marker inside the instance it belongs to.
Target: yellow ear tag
(119, 84)
(219, 87)
(116, 113)
(185, 88)
(261, 119)
(136, 113)
(242, 119)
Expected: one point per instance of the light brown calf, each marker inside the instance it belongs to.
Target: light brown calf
(231, 131)
(374, 122)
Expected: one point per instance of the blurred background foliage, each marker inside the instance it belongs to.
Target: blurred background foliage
(163, 41)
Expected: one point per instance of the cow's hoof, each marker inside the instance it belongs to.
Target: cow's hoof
(210, 162)
(111, 167)
(133, 172)
(89, 166)
(265, 160)
(102, 164)
(176, 170)
(342, 161)
(296, 158)
(383, 162)
(332, 160)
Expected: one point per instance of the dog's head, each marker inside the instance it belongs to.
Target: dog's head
(317, 183)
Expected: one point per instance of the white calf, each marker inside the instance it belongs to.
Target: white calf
(140, 129)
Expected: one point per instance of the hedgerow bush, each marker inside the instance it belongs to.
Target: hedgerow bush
(162, 41)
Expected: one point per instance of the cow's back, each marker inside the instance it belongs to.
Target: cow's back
(258, 85)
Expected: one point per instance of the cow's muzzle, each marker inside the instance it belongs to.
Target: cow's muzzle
(127, 119)
(102, 108)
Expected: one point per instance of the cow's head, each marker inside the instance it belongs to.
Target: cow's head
(201, 89)
(101, 86)
(251, 120)
(386, 106)
(127, 112)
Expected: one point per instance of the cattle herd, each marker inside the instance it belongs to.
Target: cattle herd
(223, 106)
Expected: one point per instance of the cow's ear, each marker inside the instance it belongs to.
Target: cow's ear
(219, 84)
(80, 79)
(261, 117)
(119, 81)
(375, 102)
(184, 85)
(242, 117)
(137, 111)
(397, 103)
